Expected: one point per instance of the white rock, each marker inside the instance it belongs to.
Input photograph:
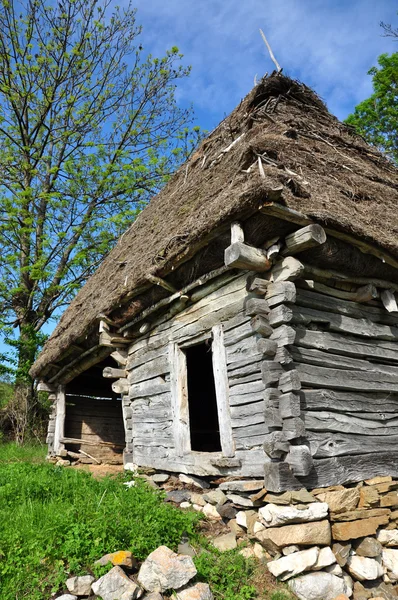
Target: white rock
(259, 527)
(197, 498)
(80, 586)
(190, 480)
(289, 566)
(335, 570)
(363, 568)
(325, 558)
(245, 485)
(225, 542)
(197, 507)
(215, 497)
(131, 467)
(319, 586)
(116, 584)
(388, 537)
(390, 562)
(289, 549)
(160, 477)
(240, 500)
(241, 518)
(164, 569)
(153, 596)
(67, 597)
(259, 551)
(200, 591)
(211, 512)
(349, 583)
(274, 515)
(185, 505)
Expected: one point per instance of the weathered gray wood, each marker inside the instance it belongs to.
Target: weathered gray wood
(275, 444)
(278, 477)
(179, 399)
(246, 388)
(294, 427)
(150, 369)
(300, 460)
(333, 421)
(326, 359)
(245, 421)
(267, 347)
(271, 372)
(257, 286)
(289, 405)
(120, 356)
(362, 294)
(290, 381)
(283, 335)
(346, 345)
(238, 361)
(254, 376)
(59, 420)
(121, 386)
(251, 443)
(283, 356)
(280, 314)
(342, 401)
(256, 306)
(281, 292)
(321, 377)
(111, 373)
(222, 391)
(317, 273)
(250, 430)
(317, 301)
(242, 370)
(272, 417)
(389, 301)
(273, 251)
(350, 469)
(261, 326)
(247, 410)
(287, 269)
(241, 256)
(42, 386)
(326, 444)
(237, 234)
(246, 347)
(305, 238)
(233, 336)
(150, 387)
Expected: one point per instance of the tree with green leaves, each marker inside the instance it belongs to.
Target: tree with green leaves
(89, 131)
(376, 118)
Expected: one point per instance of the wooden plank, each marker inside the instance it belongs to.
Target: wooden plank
(350, 469)
(150, 369)
(347, 345)
(150, 387)
(250, 430)
(283, 335)
(267, 347)
(261, 326)
(287, 269)
(281, 292)
(257, 286)
(340, 379)
(311, 272)
(342, 401)
(350, 423)
(251, 368)
(179, 399)
(304, 238)
(362, 294)
(234, 400)
(251, 443)
(233, 336)
(326, 444)
(219, 361)
(59, 420)
(336, 361)
(240, 256)
(289, 405)
(111, 373)
(256, 306)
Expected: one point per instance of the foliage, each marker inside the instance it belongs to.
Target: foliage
(376, 118)
(6, 391)
(63, 520)
(227, 573)
(89, 131)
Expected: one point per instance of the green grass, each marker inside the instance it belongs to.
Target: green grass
(55, 522)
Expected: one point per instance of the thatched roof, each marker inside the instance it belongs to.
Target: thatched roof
(327, 173)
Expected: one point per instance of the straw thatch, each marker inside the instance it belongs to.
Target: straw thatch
(327, 173)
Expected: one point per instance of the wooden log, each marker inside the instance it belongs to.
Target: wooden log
(237, 234)
(233, 336)
(256, 306)
(283, 335)
(111, 373)
(42, 386)
(364, 293)
(149, 388)
(389, 301)
(271, 372)
(334, 421)
(351, 469)
(356, 381)
(271, 397)
(283, 356)
(273, 251)
(267, 347)
(325, 444)
(280, 314)
(281, 292)
(300, 460)
(346, 345)
(336, 361)
(261, 326)
(344, 401)
(305, 238)
(275, 444)
(317, 273)
(289, 405)
(161, 282)
(241, 256)
(251, 430)
(120, 356)
(290, 381)
(287, 269)
(293, 427)
(73, 441)
(278, 477)
(257, 286)
(121, 386)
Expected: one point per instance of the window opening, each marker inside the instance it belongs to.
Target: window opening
(202, 401)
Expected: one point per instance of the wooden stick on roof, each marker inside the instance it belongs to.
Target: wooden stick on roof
(278, 67)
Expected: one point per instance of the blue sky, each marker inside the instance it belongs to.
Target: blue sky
(328, 44)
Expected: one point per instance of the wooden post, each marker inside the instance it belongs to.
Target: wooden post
(237, 234)
(59, 420)
(222, 391)
(179, 399)
(307, 237)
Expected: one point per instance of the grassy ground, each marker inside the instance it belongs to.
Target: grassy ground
(57, 521)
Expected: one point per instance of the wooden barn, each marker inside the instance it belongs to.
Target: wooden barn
(247, 322)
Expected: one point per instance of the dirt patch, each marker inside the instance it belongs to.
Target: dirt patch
(268, 588)
(99, 471)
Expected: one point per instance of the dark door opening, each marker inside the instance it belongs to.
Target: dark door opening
(202, 401)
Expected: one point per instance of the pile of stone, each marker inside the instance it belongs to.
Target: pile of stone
(327, 542)
(162, 570)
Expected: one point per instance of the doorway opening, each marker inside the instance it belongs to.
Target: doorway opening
(202, 400)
